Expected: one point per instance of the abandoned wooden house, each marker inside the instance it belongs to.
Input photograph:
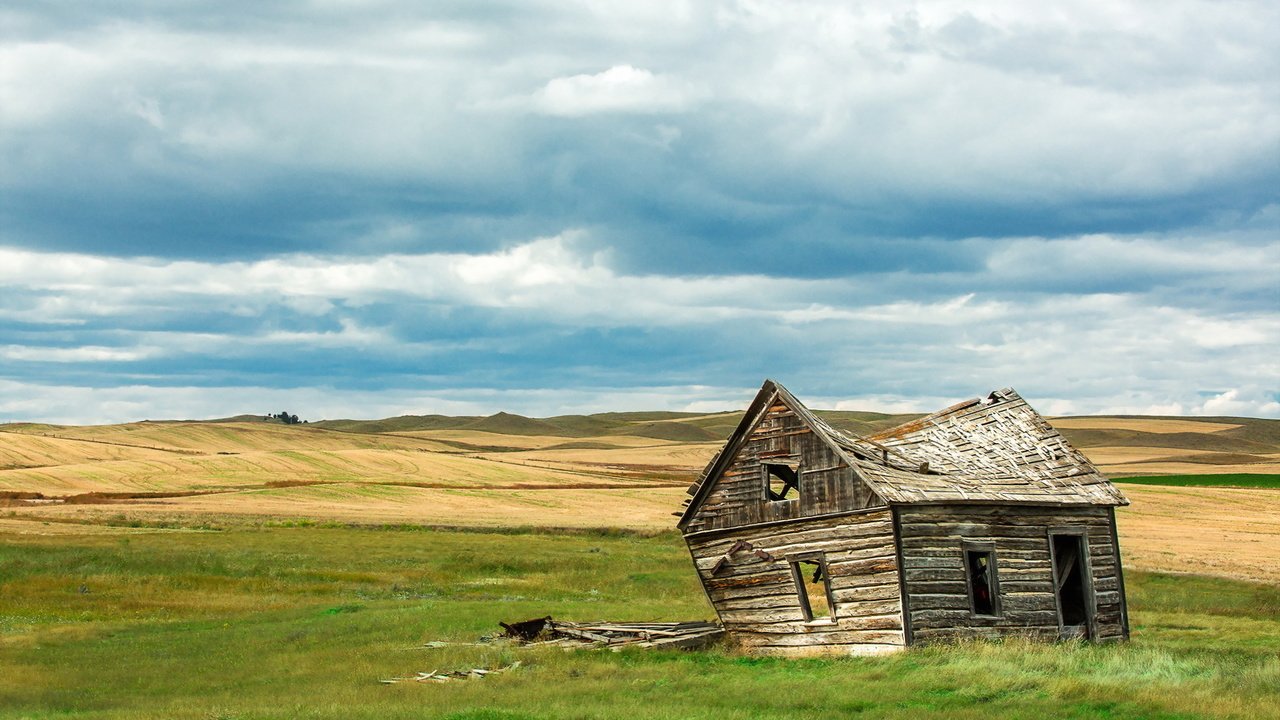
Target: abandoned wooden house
(977, 521)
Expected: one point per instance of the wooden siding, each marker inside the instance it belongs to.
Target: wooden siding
(934, 573)
(757, 600)
(827, 484)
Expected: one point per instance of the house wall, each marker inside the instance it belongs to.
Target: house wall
(938, 606)
(757, 600)
(827, 484)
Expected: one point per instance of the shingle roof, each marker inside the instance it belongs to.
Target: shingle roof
(996, 448)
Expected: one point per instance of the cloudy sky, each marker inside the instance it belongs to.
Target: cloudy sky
(364, 209)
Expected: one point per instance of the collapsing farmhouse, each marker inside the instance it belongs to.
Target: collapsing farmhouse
(977, 521)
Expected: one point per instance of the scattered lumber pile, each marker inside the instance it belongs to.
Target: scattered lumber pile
(448, 675)
(546, 631)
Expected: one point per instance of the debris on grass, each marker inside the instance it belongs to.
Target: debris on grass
(450, 675)
(614, 635)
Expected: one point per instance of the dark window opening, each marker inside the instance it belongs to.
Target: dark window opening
(1068, 571)
(781, 480)
(813, 585)
(981, 566)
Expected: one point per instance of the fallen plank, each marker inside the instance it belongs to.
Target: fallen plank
(546, 631)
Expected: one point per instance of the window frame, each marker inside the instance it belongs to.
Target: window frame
(988, 548)
(802, 590)
(765, 477)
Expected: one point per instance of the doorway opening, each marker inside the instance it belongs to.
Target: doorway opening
(1071, 585)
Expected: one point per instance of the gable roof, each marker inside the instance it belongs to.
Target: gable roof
(995, 449)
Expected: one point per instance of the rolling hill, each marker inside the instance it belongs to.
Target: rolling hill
(614, 470)
(506, 451)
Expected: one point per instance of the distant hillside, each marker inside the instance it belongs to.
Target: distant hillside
(863, 423)
(1120, 445)
(685, 432)
(508, 424)
(659, 425)
(663, 425)
(403, 423)
(1208, 434)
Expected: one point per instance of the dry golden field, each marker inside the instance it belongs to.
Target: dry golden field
(629, 472)
(1158, 426)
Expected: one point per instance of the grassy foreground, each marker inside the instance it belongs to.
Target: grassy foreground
(257, 622)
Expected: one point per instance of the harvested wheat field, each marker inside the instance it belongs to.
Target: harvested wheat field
(1142, 424)
(584, 472)
(18, 451)
(639, 509)
(1232, 532)
(484, 440)
(216, 437)
(212, 473)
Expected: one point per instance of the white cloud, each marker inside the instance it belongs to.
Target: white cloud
(1242, 401)
(85, 353)
(857, 341)
(885, 404)
(1104, 257)
(998, 101)
(620, 89)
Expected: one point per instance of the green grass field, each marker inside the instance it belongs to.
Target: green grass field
(251, 621)
(1242, 480)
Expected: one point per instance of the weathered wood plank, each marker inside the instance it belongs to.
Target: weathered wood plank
(952, 634)
(838, 553)
(785, 594)
(828, 650)
(816, 637)
(874, 524)
(950, 617)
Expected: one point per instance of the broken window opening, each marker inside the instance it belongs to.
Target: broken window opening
(780, 480)
(813, 585)
(983, 589)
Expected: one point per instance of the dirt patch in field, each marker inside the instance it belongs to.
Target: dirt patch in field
(1213, 531)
